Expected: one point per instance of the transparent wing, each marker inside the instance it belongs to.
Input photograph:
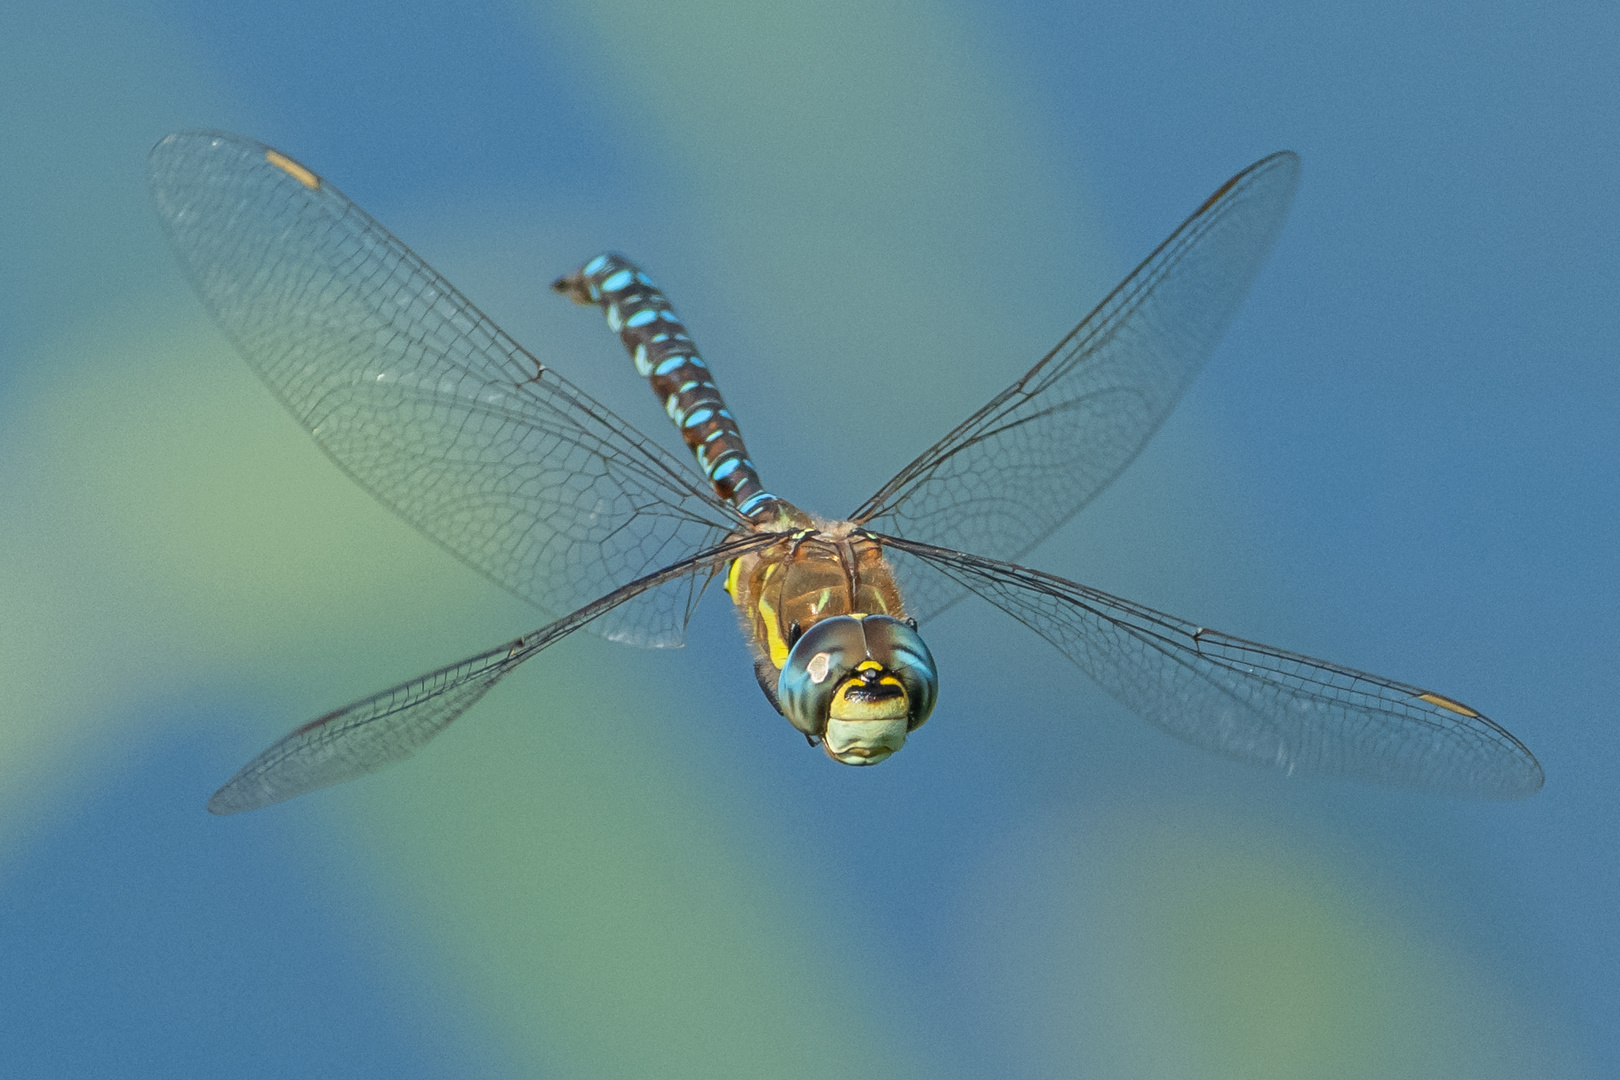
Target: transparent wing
(1044, 447)
(1250, 701)
(391, 726)
(419, 397)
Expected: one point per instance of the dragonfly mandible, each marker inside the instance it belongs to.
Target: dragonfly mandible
(450, 423)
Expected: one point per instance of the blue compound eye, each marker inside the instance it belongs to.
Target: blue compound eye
(861, 684)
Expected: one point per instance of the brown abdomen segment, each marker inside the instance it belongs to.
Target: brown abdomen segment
(664, 353)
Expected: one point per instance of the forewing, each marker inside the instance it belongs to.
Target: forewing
(419, 397)
(1250, 701)
(392, 725)
(1044, 447)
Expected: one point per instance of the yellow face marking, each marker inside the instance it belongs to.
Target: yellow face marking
(869, 665)
(293, 169)
(894, 708)
(1446, 703)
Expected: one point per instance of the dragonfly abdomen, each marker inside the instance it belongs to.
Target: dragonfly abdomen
(665, 354)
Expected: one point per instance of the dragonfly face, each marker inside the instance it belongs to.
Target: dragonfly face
(861, 683)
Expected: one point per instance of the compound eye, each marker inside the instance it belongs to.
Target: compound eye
(896, 645)
(818, 662)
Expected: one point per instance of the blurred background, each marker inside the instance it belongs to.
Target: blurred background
(874, 215)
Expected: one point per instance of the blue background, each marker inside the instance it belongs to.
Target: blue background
(874, 215)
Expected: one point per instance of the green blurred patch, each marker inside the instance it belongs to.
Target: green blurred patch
(1276, 967)
(1172, 942)
(167, 522)
(180, 469)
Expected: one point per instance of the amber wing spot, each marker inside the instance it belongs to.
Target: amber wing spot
(1215, 198)
(1446, 703)
(293, 169)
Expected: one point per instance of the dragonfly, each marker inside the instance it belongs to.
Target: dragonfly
(449, 422)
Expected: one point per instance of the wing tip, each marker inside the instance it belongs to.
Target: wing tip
(227, 801)
(220, 807)
(1536, 778)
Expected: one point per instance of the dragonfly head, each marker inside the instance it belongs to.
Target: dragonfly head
(860, 684)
